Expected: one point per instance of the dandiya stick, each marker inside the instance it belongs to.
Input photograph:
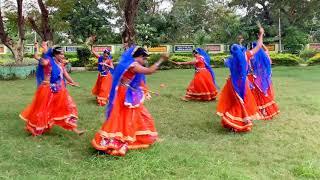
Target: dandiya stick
(259, 24)
(173, 62)
(157, 94)
(73, 84)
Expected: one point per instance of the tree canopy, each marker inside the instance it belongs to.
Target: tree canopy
(165, 21)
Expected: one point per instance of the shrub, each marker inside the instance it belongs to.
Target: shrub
(84, 55)
(184, 54)
(116, 57)
(9, 69)
(315, 60)
(5, 58)
(295, 39)
(285, 59)
(71, 55)
(169, 64)
(11, 62)
(28, 55)
(74, 62)
(153, 58)
(308, 53)
(220, 54)
(92, 64)
(179, 58)
(218, 60)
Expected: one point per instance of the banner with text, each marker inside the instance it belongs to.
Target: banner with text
(71, 49)
(215, 48)
(183, 48)
(159, 49)
(101, 48)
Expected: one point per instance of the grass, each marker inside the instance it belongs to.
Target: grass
(195, 145)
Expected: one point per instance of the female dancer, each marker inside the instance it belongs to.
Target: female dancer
(237, 106)
(262, 89)
(104, 82)
(52, 104)
(203, 86)
(129, 125)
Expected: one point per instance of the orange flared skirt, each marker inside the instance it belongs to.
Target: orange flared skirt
(126, 128)
(63, 112)
(236, 114)
(268, 108)
(48, 109)
(102, 89)
(202, 87)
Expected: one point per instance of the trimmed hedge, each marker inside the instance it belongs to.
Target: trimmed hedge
(17, 72)
(308, 53)
(71, 55)
(169, 64)
(9, 61)
(315, 60)
(217, 60)
(92, 64)
(285, 59)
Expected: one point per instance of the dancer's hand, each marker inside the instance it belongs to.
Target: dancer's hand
(148, 96)
(261, 31)
(90, 40)
(165, 56)
(44, 46)
(75, 84)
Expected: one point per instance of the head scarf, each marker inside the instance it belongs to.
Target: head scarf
(55, 71)
(206, 57)
(261, 66)
(238, 68)
(134, 94)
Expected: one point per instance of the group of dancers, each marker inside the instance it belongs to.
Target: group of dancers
(247, 95)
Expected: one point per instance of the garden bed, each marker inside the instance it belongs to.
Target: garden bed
(17, 72)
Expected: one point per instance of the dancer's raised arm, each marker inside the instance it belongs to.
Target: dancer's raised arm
(260, 41)
(149, 70)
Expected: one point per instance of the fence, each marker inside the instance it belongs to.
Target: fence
(165, 48)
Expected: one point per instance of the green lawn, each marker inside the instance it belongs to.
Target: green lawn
(195, 145)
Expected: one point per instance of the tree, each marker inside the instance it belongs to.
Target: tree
(44, 30)
(295, 39)
(16, 47)
(153, 26)
(130, 12)
(294, 13)
(145, 35)
(86, 18)
(125, 13)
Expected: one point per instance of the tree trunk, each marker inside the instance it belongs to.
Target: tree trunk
(47, 31)
(130, 11)
(18, 54)
(44, 30)
(17, 48)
